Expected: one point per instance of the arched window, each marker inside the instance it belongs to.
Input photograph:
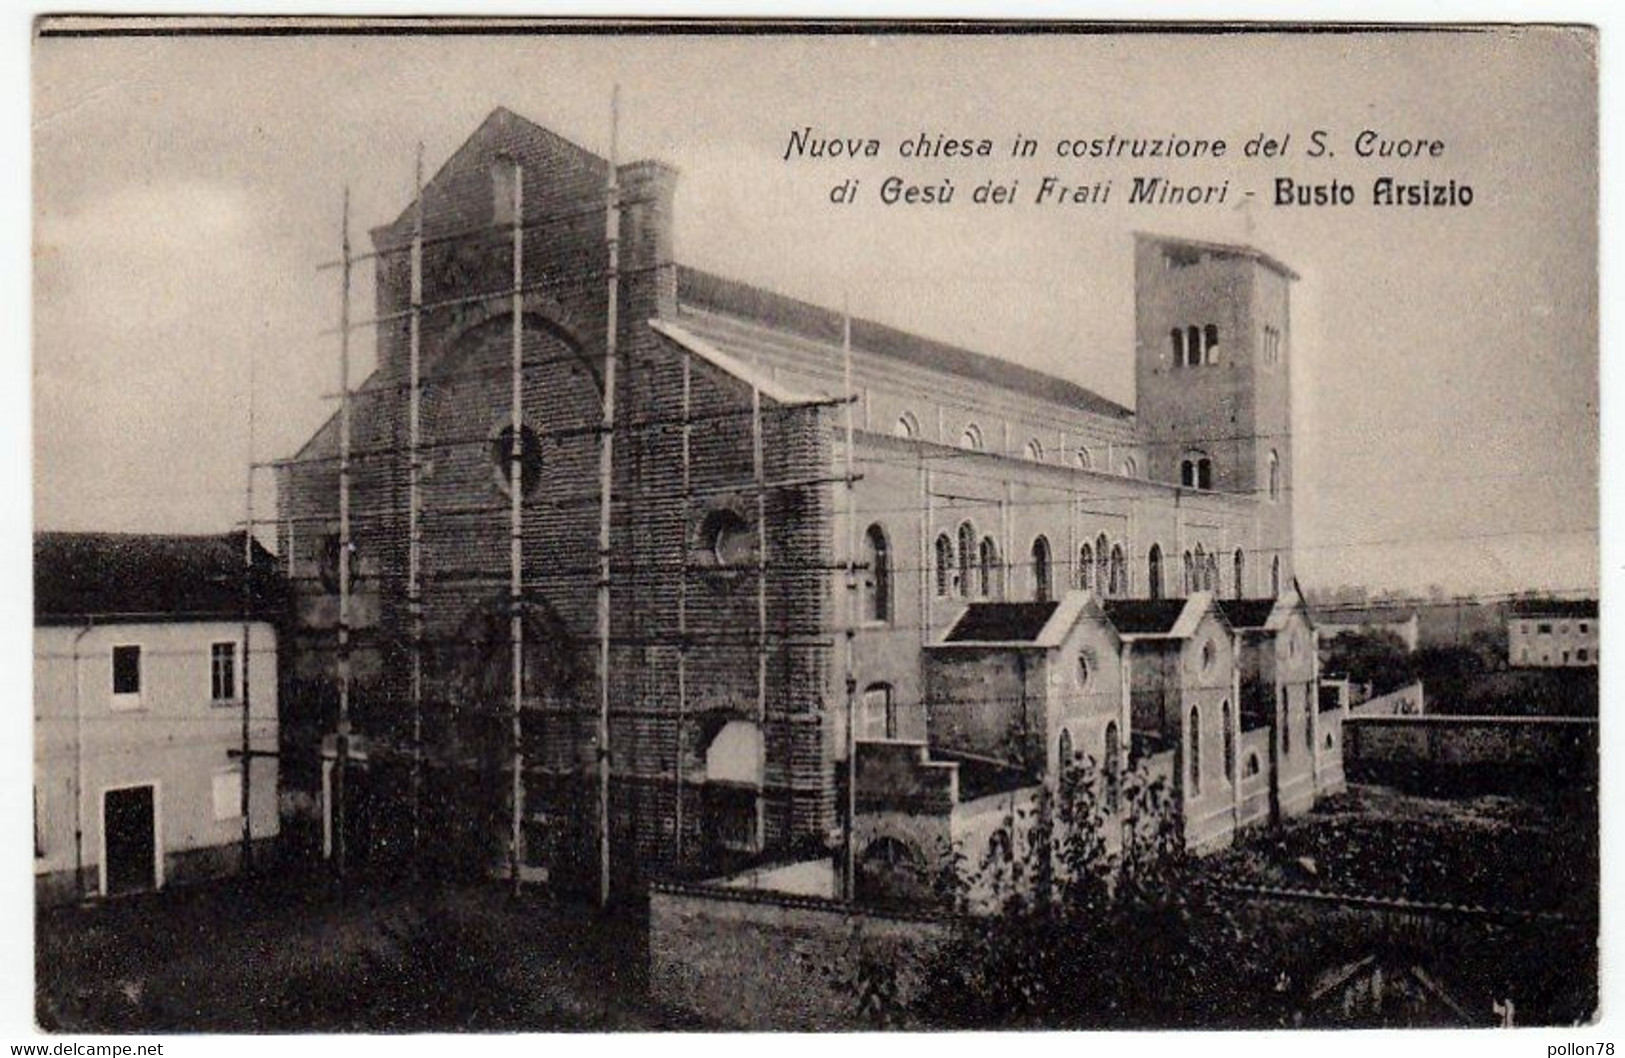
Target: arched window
(988, 561)
(1119, 582)
(1153, 572)
(1130, 468)
(1190, 574)
(1229, 742)
(1042, 588)
(945, 563)
(877, 714)
(1213, 573)
(1199, 570)
(1187, 472)
(1210, 335)
(1251, 768)
(728, 542)
(1193, 345)
(971, 440)
(1195, 737)
(1035, 450)
(530, 458)
(1113, 763)
(1084, 461)
(1275, 475)
(907, 427)
(1284, 707)
(1177, 338)
(1204, 473)
(1064, 750)
(1275, 577)
(1309, 730)
(967, 555)
(1086, 567)
(1103, 569)
(1240, 563)
(877, 576)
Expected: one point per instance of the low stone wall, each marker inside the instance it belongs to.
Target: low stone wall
(1407, 701)
(739, 959)
(1482, 752)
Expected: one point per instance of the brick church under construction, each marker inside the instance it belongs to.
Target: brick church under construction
(765, 580)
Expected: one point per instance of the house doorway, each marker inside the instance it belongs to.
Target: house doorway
(129, 840)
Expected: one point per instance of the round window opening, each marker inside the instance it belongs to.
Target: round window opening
(728, 540)
(530, 458)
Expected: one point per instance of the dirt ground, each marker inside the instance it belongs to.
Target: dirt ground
(281, 956)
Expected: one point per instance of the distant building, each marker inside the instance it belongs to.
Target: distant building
(140, 663)
(1406, 628)
(1552, 633)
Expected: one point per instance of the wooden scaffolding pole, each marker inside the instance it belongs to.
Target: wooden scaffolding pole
(342, 746)
(606, 467)
(757, 464)
(682, 600)
(848, 846)
(414, 507)
(247, 858)
(516, 535)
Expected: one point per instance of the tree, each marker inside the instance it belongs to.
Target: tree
(1377, 657)
(1079, 917)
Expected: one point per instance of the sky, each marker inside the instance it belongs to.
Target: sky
(1444, 360)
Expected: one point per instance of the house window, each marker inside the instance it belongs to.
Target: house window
(1064, 753)
(1275, 577)
(504, 177)
(1130, 468)
(971, 441)
(1042, 588)
(1250, 768)
(1229, 740)
(1581, 654)
(1153, 572)
(1544, 630)
(1083, 670)
(1583, 628)
(530, 458)
(126, 677)
(1102, 564)
(1196, 750)
(945, 563)
(39, 834)
(1190, 574)
(1210, 335)
(1086, 567)
(1275, 476)
(1113, 763)
(1285, 707)
(1119, 571)
(877, 580)
(223, 671)
(988, 563)
(1199, 570)
(228, 793)
(1210, 654)
(1084, 461)
(967, 552)
(877, 716)
(1193, 345)
(1176, 338)
(907, 427)
(1035, 450)
(1240, 563)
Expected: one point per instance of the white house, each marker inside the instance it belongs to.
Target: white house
(143, 651)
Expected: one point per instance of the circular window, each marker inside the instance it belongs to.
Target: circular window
(530, 458)
(727, 540)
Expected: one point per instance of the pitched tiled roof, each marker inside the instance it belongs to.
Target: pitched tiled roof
(733, 298)
(1001, 622)
(1144, 616)
(1247, 613)
(136, 576)
(1554, 608)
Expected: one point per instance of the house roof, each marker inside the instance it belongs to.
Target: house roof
(1247, 613)
(723, 362)
(143, 577)
(1144, 616)
(1001, 622)
(730, 297)
(1554, 608)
